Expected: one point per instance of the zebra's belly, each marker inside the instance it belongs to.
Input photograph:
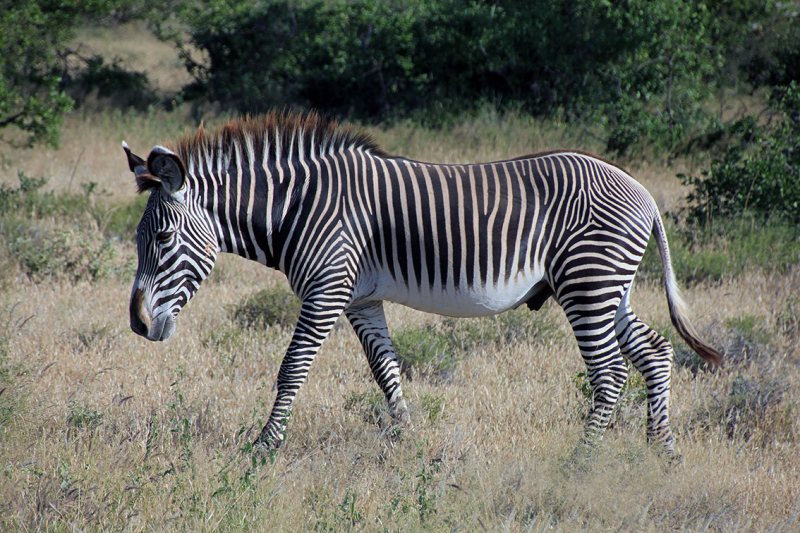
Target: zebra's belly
(462, 301)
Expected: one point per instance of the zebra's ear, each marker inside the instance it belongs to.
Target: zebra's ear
(168, 168)
(135, 163)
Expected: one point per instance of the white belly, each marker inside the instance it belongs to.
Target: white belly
(460, 302)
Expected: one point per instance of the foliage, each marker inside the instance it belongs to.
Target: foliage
(274, 306)
(759, 175)
(435, 349)
(33, 36)
(765, 44)
(633, 392)
(41, 76)
(370, 404)
(733, 248)
(381, 60)
(48, 235)
(430, 350)
(69, 252)
(753, 406)
(83, 416)
(749, 406)
(663, 79)
(110, 81)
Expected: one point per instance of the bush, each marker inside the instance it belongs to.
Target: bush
(48, 235)
(729, 251)
(111, 82)
(33, 38)
(274, 306)
(767, 49)
(429, 350)
(759, 175)
(27, 201)
(69, 253)
(435, 349)
(373, 60)
(753, 407)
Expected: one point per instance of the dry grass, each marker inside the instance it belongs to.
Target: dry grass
(101, 430)
(106, 433)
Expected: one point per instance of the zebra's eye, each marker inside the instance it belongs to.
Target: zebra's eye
(163, 237)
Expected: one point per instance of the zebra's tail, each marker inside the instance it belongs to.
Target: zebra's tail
(677, 308)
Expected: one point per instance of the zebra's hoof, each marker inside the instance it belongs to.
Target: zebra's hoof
(674, 462)
(266, 448)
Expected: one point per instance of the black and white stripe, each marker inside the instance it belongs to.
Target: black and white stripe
(351, 226)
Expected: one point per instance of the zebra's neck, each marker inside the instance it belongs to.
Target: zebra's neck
(251, 177)
(248, 206)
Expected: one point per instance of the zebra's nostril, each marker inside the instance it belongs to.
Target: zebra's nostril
(140, 318)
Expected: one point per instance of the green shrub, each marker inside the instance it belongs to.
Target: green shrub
(430, 350)
(759, 175)
(27, 201)
(68, 253)
(371, 405)
(274, 306)
(766, 49)
(435, 349)
(373, 59)
(82, 416)
(49, 235)
(33, 37)
(111, 82)
(752, 408)
(633, 392)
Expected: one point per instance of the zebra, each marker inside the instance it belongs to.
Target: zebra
(351, 227)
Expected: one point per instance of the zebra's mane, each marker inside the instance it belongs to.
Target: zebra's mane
(283, 134)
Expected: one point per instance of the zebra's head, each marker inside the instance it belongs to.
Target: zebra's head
(176, 245)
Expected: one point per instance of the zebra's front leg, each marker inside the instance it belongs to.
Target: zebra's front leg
(369, 323)
(313, 325)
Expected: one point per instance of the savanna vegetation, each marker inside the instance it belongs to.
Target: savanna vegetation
(102, 431)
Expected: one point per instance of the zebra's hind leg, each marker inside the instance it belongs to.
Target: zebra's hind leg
(369, 323)
(606, 369)
(651, 354)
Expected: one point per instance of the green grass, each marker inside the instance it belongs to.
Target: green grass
(725, 254)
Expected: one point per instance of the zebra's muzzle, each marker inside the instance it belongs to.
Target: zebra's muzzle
(158, 328)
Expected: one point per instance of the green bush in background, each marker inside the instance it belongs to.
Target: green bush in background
(379, 60)
(759, 174)
(38, 84)
(634, 71)
(68, 236)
